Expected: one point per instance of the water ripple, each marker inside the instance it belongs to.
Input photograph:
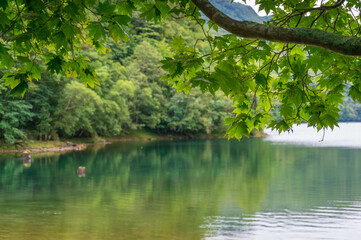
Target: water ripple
(340, 220)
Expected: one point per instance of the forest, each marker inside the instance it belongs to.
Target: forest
(130, 95)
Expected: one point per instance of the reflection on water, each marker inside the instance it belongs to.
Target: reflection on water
(204, 189)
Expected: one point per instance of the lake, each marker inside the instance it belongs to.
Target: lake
(279, 187)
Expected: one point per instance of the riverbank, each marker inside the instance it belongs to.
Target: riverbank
(81, 144)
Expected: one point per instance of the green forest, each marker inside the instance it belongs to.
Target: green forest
(131, 95)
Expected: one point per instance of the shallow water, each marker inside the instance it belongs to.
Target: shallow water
(197, 189)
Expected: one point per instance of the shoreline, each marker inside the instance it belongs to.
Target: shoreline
(69, 146)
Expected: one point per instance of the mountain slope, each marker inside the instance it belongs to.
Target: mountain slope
(238, 11)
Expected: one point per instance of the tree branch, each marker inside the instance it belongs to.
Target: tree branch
(350, 46)
(324, 8)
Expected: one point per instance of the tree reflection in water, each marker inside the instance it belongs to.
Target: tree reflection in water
(167, 190)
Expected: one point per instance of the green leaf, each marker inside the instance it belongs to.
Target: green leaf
(55, 64)
(96, 31)
(88, 77)
(100, 47)
(261, 80)
(329, 121)
(287, 110)
(20, 89)
(4, 20)
(34, 70)
(281, 126)
(126, 7)
(266, 5)
(6, 60)
(213, 25)
(60, 40)
(297, 50)
(238, 130)
(70, 31)
(229, 121)
(106, 8)
(74, 11)
(10, 80)
(150, 12)
(4, 4)
(178, 43)
(162, 7)
(355, 93)
(123, 19)
(116, 32)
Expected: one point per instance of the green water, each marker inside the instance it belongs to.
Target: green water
(197, 189)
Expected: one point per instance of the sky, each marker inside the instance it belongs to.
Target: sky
(262, 13)
(254, 6)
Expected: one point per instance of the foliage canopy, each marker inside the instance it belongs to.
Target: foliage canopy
(299, 62)
(130, 96)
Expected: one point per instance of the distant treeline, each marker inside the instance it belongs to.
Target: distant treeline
(350, 110)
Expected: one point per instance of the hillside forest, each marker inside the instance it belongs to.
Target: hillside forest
(132, 94)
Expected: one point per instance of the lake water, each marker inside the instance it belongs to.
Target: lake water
(280, 187)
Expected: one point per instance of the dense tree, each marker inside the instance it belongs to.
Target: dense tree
(302, 59)
(194, 111)
(77, 106)
(14, 114)
(130, 96)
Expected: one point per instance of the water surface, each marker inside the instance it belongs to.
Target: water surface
(347, 135)
(196, 189)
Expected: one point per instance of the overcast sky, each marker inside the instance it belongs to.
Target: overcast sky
(263, 13)
(254, 6)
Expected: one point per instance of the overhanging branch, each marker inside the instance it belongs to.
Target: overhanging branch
(324, 8)
(350, 46)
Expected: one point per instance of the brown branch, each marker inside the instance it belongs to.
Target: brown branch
(314, 20)
(350, 46)
(324, 8)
